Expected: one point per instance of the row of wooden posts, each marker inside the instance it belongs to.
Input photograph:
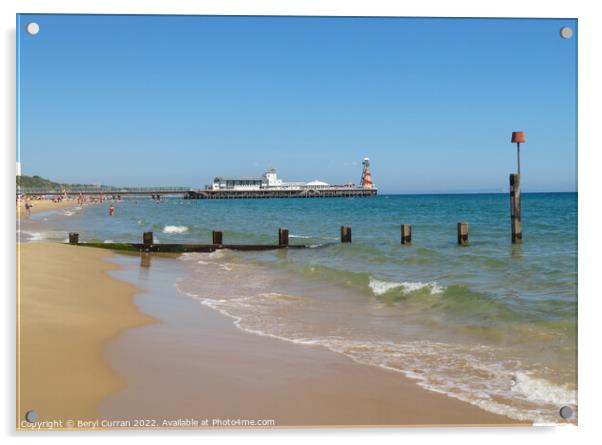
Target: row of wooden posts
(218, 236)
(406, 234)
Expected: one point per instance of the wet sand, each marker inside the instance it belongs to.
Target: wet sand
(68, 308)
(195, 364)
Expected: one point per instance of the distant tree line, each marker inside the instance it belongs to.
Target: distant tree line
(37, 182)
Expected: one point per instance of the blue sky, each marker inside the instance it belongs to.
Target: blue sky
(177, 100)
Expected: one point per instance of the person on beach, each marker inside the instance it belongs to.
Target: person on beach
(111, 211)
(28, 207)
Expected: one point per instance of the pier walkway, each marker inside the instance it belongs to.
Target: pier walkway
(188, 193)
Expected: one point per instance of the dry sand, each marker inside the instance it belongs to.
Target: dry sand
(68, 308)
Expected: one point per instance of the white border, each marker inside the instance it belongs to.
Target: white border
(590, 224)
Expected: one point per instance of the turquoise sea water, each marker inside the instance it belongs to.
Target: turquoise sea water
(492, 323)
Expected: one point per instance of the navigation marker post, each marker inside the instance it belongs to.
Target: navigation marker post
(515, 208)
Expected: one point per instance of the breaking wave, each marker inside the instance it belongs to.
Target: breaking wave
(382, 287)
(175, 229)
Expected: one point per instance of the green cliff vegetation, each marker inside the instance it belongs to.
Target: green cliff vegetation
(37, 182)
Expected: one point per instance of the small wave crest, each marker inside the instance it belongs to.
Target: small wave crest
(379, 287)
(204, 258)
(175, 229)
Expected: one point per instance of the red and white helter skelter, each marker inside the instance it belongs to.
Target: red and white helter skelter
(366, 181)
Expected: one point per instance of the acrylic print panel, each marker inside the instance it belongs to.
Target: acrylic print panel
(296, 221)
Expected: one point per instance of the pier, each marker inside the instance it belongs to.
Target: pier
(333, 192)
(267, 186)
(187, 193)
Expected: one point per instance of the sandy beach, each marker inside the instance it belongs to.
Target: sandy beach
(68, 309)
(80, 358)
(45, 206)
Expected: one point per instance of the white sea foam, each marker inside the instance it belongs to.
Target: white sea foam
(108, 241)
(217, 254)
(300, 236)
(31, 236)
(67, 213)
(541, 390)
(382, 287)
(202, 257)
(175, 229)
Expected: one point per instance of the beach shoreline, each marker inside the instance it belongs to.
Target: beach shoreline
(117, 374)
(226, 373)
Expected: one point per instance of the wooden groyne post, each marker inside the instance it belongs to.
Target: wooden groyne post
(345, 234)
(218, 237)
(406, 234)
(145, 259)
(515, 217)
(147, 238)
(73, 238)
(515, 221)
(462, 234)
(283, 237)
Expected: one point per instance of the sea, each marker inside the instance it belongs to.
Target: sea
(492, 323)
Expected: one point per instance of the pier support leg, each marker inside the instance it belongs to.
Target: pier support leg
(217, 237)
(463, 234)
(345, 234)
(282, 237)
(406, 234)
(515, 220)
(73, 238)
(147, 238)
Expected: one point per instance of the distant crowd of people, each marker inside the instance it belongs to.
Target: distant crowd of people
(27, 201)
